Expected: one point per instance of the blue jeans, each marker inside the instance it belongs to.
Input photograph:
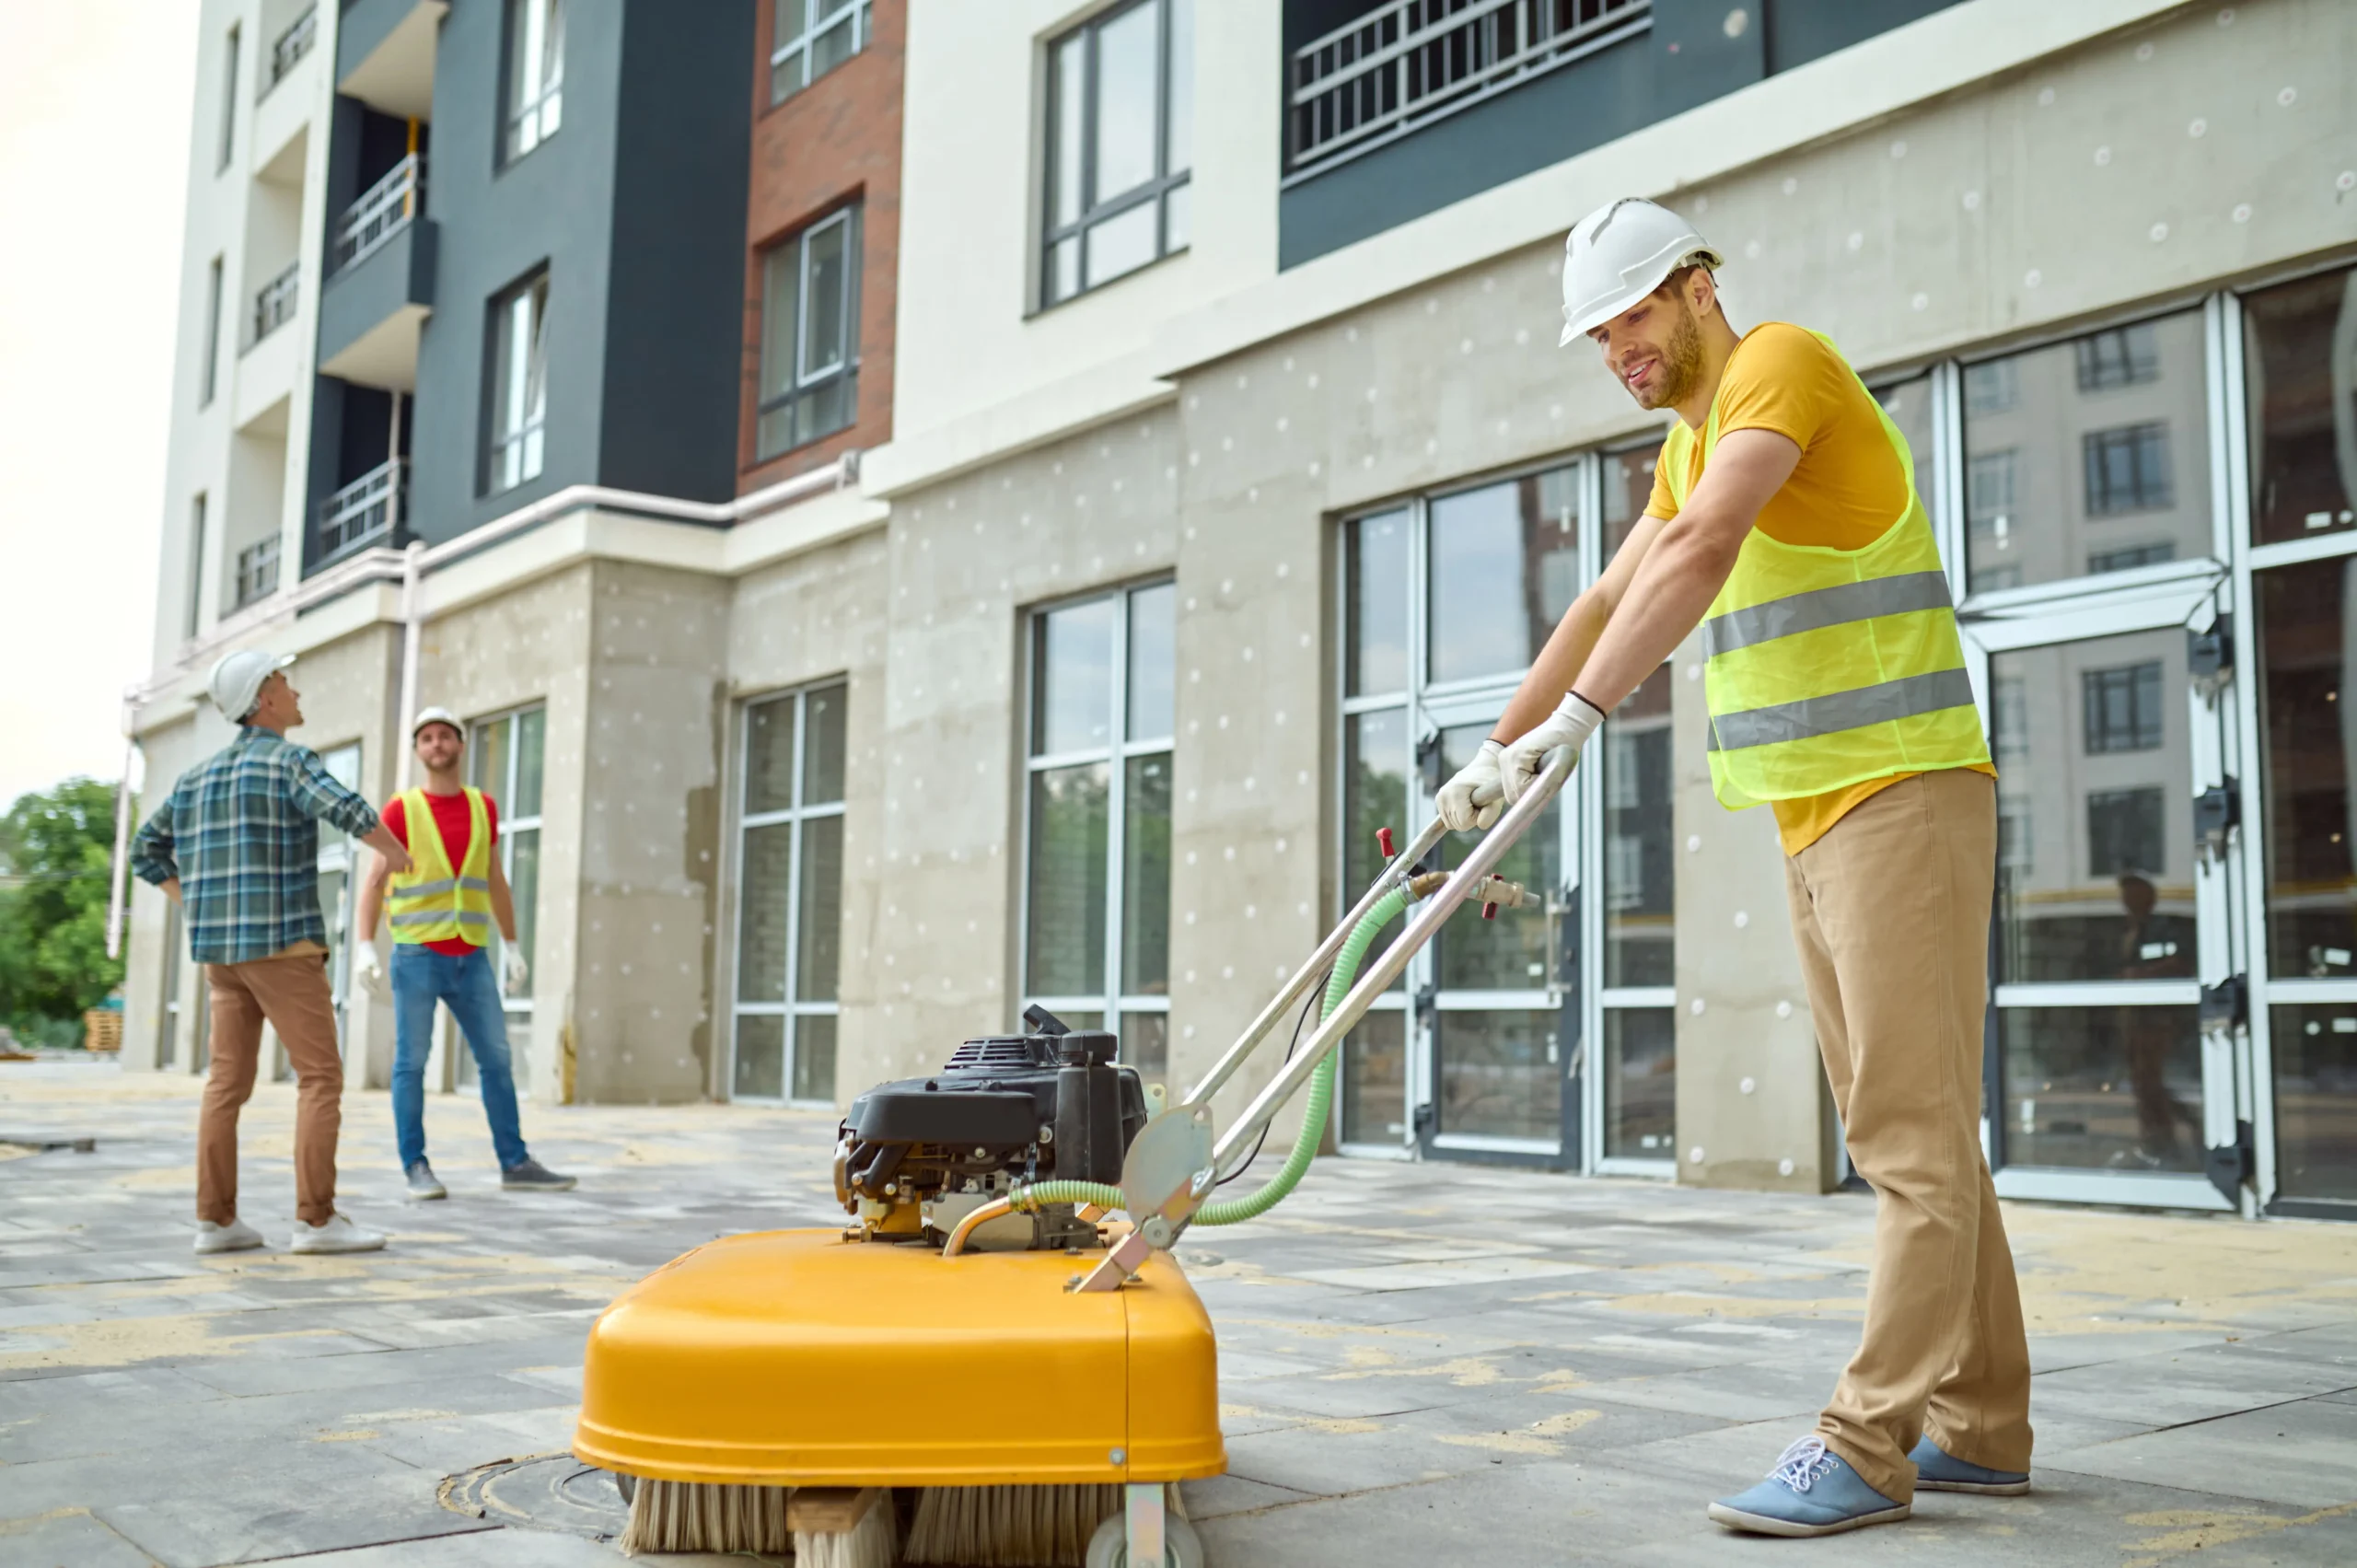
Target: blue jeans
(420, 977)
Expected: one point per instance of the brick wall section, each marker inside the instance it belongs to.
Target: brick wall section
(836, 140)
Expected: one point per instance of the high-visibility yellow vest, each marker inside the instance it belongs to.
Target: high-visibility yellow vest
(432, 901)
(1827, 667)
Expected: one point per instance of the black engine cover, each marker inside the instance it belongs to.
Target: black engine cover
(1028, 1106)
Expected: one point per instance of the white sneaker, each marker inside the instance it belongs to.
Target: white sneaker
(235, 1236)
(335, 1234)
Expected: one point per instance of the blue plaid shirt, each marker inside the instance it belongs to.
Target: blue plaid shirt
(242, 832)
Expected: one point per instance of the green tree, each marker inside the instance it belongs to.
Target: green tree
(55, 849)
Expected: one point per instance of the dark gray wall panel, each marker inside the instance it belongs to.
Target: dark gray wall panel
(1802, 30)
(675, 318)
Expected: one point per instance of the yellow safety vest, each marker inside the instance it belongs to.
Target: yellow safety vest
(432, 903)
(1827, 667)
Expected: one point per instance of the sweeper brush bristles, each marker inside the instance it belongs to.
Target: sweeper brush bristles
(1009, 1526)
(845, 1527)
(678, 1516)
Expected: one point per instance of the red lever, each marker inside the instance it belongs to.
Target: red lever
(1489, 912)
(1383, 842)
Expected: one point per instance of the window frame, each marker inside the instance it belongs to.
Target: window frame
(199, 508)
(790, 1005)
(846, 367)
(858, 14)
(511, 827)
(1095, 210)
(1115, 1000)
(543, 115)
(228, 150)
(216, 282)
(258, 570)
(2143, 441)
(529, 439)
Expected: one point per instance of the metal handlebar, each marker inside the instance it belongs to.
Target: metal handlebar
(1376, 979)
(1393, 874)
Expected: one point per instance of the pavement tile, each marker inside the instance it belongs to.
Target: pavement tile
(1234, 1494)
(2170, 1389)
(69, 1539)
(2303, 1454)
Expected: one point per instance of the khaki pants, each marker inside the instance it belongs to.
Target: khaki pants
(290, 989)
(1890, 909)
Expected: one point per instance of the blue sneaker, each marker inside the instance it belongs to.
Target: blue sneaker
(1810, 1492)
(1938, 1471)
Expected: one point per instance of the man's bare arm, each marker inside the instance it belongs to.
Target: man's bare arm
(1686, 565)
(503, 900)
(372, 896)
(1568, 648)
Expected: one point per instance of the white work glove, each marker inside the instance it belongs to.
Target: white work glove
(1473, 800)
(366, 968)
(1569, 725)
(512, 969)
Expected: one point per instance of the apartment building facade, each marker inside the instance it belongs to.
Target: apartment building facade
(1229, 474)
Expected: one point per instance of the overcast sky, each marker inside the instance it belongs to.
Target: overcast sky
(94, 125)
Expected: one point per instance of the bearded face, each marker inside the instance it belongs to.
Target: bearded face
(1655, 350)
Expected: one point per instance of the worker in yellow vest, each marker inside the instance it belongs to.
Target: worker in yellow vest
(1785, 522)
(441, 912)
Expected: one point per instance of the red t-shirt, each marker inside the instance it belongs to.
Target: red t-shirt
(456, 825)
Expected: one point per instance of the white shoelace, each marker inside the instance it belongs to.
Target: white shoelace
(1799, 1466)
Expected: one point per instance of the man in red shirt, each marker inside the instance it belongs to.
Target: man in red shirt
(439, 957)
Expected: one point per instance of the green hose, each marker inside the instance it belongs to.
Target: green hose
(1236, 1211)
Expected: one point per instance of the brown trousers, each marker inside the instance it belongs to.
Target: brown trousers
(1890, 909)
(290, 989)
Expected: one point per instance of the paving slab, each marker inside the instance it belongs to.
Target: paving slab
(1420, 1364)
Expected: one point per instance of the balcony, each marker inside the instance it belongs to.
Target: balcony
(381, 288)
(287, 50)
(384, 55)
(380, 213)
(1409, 62)
(274, 304)
(369, 511)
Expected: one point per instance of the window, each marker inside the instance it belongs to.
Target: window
(2128, 559)
(813, 37)
(1121, 145)
(196, 568)
(2122, 708)
(168, 1046)
(1097, 882)
(2009, 718)
(257, 572)
(228, 102)
(2046, 470)
(810, 335)
(1989, 498)
(2127, 469)
(211, 335)
(1991, 387)
(2124, 833)
(535, 73)
(789, 896)
(2120, 357)
(2303, 401)
(504, 759)
(519, 383)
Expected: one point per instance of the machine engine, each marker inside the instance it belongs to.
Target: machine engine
(917, 1154)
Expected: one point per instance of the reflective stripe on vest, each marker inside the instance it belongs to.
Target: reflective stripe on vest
(1829, 667)
(435, 902)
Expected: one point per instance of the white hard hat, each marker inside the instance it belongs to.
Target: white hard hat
(237, 679)
(1619, 253)
(436, 715)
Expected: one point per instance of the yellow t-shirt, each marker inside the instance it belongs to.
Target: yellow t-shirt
(1848, 487)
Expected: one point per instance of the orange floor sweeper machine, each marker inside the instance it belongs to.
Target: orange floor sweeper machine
(997, 1361)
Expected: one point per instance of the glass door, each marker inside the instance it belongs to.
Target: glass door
(2094, 547)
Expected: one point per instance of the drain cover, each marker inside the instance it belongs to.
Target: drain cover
(541, 1491)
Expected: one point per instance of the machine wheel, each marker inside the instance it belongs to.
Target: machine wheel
(627, 1485)
(1181, 1547)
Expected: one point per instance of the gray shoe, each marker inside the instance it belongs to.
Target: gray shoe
(423, 1183)
(534, 1177)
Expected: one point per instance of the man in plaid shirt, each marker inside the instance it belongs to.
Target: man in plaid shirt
(236, 843)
